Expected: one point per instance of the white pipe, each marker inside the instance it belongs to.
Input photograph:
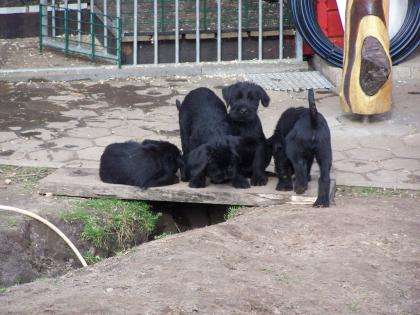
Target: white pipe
(51, 226)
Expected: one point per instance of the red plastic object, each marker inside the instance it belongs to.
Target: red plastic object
(329, 21)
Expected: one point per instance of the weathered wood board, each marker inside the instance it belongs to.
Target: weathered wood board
(83, 182)
(367, 74)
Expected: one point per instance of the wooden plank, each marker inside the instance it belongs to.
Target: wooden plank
(84, 182)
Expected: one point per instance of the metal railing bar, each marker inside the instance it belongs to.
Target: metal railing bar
(155, 34)
(281, 29)
(176, 31)
(219, 31)
(260, 29)
(298, 47)
(53, 18)
(197, 31)
(105, 22)
(79, 21)
(135, 36)
(119, 30)
(239, 30)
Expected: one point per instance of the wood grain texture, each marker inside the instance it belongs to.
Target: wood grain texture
(366, 81)
(86, 183)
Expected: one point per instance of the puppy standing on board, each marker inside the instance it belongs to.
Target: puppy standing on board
(243, 99)
(301, 135)
(209, 149)
(147, 164)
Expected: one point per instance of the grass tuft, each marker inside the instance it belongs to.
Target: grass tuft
(231, 212)
(113, 225)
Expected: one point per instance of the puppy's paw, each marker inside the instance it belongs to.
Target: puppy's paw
(284, 186)
(175, 180)
(240, 182)
(259, 180)
(197, 183)
(321, 203)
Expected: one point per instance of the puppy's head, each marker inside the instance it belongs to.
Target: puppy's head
(216, 159)
(168, 152)
(242, 99)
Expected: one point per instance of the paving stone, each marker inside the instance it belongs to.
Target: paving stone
(7, 136)
(132, 131)
(104, 141)
(83, 163)
(406, 151)
(413, 140)
(356, 166)
(368, 154)
(351, 179)
(79, 114)
(89, 132)
(40, 134)
(385, 142)
(390, 177)
(338, 156)
(107, 123)
(61, 126)
(401, 164)
(339, 143)
(72, 144)
(93, 153)
(54, 156)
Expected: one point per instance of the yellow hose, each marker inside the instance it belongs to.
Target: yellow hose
(51, 226)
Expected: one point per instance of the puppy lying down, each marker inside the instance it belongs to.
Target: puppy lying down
(147, 164)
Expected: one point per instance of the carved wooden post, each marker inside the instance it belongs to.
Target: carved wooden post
(366, 82)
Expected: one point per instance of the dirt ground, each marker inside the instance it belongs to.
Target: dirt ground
(361, 256)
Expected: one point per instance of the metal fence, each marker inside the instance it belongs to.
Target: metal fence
(100, 32)
(72, 28)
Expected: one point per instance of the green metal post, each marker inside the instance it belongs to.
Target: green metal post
(119, 44)
(92, 33)
(162, 15)
(66, 33)
(204, 14)
(40, 27)
(246, 13)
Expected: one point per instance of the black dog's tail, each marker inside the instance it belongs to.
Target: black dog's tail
(312, 109)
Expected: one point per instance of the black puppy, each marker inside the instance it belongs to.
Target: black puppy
(147, 164)
(243, 99)
(301, 135)
(209, 149)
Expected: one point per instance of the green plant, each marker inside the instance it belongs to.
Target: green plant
(363, 191)
(92, 259)
(353, 307)
(112, 224)
(3, 290)
(231, 212)
(163, 235)
(27, 176)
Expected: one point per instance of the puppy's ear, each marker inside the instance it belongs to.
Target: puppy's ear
(227, 94)
(264, 98)
(198, 160)
(178, 104)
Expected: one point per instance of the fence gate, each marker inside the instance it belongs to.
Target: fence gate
(73, 27)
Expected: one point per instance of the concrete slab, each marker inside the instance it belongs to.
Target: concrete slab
(85, 182)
